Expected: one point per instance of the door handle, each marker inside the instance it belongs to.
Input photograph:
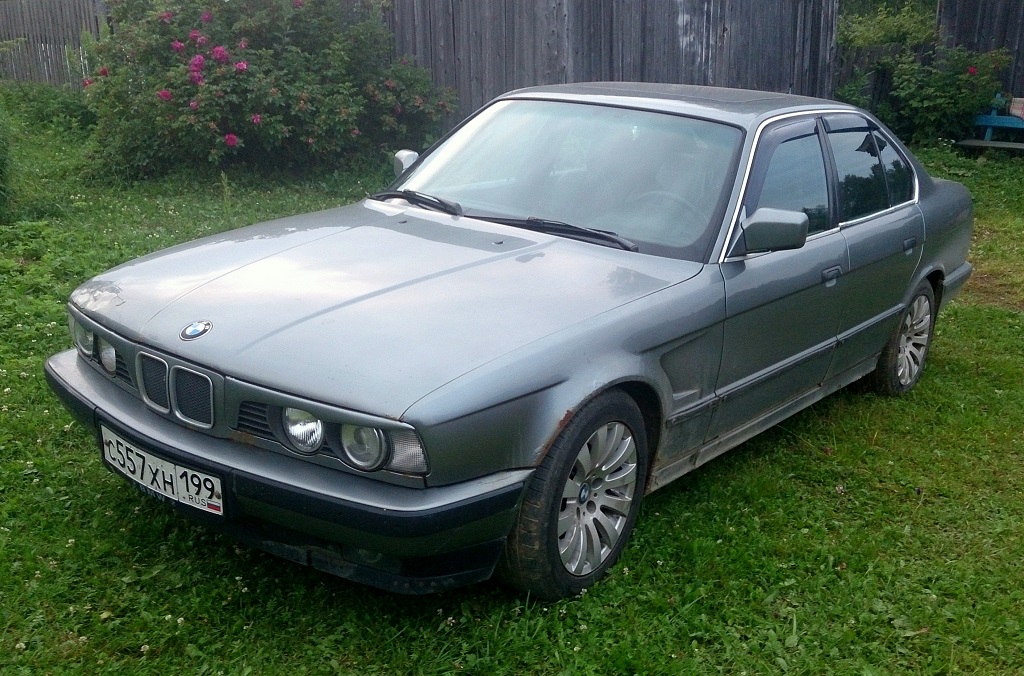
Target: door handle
(830, 275)
(909, 244)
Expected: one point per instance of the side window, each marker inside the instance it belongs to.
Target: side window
(898, 176)
(862, 188)
(794, 177)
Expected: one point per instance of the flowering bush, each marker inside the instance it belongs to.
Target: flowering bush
(923, 91)
(270, 82)
(939, 100)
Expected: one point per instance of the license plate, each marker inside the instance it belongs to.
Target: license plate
(161, 477)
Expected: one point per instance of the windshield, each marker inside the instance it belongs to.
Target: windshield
(656, 179)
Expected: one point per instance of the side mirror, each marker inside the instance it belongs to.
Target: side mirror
(771, 230)
(403, 160)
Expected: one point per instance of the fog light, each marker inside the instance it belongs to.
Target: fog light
(304, 430)
(365, 447)
(108, 357)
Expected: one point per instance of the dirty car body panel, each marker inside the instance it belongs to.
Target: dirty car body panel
(383, 390)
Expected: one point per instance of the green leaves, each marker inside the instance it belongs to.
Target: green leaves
(5, 168)
(939, 100)
(262, 82)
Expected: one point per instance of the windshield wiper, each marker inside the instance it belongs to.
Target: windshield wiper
(421, 199)
(554, 227)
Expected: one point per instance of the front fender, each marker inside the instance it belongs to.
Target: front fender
(506, 414)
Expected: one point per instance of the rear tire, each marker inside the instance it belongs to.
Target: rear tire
(903, 359)
(582, 501)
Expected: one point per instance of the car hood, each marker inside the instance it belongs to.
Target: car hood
(369, 306)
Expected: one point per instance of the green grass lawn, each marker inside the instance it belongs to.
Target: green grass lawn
(862, 536)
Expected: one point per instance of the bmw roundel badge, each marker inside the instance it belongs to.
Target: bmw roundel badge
(195, 330)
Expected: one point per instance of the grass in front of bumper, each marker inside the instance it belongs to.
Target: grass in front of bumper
(865, 534)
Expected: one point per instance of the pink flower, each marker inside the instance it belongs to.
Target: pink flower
(356, 132)
(230, 140)
(220, 54)
(164, 94)
(86, 82)
(243, 44)
(206, 17)
(194, 35)
(242, 66)
(296, 3)
(971, 70)
(257, 118)
(193, 104)
(309, 141)
(197, 63)
(202, 40)
(103, 72)
(178, 46)
(197, 78)
(166, 16)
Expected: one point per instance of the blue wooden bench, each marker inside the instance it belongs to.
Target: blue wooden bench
(994, 120)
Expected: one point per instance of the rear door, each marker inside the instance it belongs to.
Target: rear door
(884, 231)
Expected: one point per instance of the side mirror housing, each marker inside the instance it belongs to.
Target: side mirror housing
(770, 229)
(403, 160)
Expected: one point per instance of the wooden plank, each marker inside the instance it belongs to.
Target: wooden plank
(52, 29)
(1003, 145)
(1002, 121)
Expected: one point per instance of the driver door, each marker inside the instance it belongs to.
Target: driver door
(782, 310)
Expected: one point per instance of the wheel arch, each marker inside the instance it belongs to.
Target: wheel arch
(936, 278)
(643, 394)
(647, 400)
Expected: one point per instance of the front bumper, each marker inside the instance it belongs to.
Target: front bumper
(409, 540)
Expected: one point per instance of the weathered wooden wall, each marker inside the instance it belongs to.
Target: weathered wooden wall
(984, 25)
(47, 38)
(485, 47)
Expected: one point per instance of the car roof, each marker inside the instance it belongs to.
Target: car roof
(743, 107)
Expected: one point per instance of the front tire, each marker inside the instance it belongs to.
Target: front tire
(582, 501)
(902, 361)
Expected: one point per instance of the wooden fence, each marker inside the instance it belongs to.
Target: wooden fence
(41, 40)
(984, 25)
(485, 47)
(482, 48)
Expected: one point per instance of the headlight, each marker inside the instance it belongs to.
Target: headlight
(365, 448)
(83, 338)
(108, 357)
(304, 430)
